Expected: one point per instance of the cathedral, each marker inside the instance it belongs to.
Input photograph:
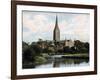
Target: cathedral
(56, 36)
(57, 41)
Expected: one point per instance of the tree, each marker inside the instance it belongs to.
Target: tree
(73, 50)
(66, 49)
(24, 46)
(86, 45)
(28, 55)
(81, 47)
(37, 49)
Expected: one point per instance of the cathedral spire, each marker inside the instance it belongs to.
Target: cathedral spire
(56, 22)
(56, 34)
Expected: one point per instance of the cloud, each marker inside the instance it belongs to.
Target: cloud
(34, 24)
(76, 27)
(38, 24)
(82, 27)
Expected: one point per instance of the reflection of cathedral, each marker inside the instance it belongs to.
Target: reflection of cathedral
(56, 36)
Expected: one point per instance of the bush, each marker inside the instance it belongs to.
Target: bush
(39, 60)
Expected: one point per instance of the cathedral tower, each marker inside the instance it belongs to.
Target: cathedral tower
(56, 33)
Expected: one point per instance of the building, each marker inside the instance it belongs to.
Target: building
(56, 36)
(60, 44)
(69, 43)
(56, 33)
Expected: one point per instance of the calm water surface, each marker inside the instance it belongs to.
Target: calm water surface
(63, 62)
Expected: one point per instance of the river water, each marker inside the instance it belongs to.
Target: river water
(63, 62)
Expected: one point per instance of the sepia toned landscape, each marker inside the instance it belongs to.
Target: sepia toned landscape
(52, 40)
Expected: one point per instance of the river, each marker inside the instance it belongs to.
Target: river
(63, 62)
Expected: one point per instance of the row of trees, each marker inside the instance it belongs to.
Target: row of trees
(79, 47)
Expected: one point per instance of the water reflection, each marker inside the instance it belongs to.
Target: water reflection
(63, 62)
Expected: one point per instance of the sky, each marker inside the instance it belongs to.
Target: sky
(40, 25)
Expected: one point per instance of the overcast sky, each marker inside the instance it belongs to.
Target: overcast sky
(41, 25)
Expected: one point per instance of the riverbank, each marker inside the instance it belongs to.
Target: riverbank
(76, 56)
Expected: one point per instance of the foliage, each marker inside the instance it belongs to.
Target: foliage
(39, 60)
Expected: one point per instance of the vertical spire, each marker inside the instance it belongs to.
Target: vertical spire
(56, 22)
(56, 36)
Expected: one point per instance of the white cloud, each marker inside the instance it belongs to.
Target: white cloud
(37, 24)
(78, 27)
